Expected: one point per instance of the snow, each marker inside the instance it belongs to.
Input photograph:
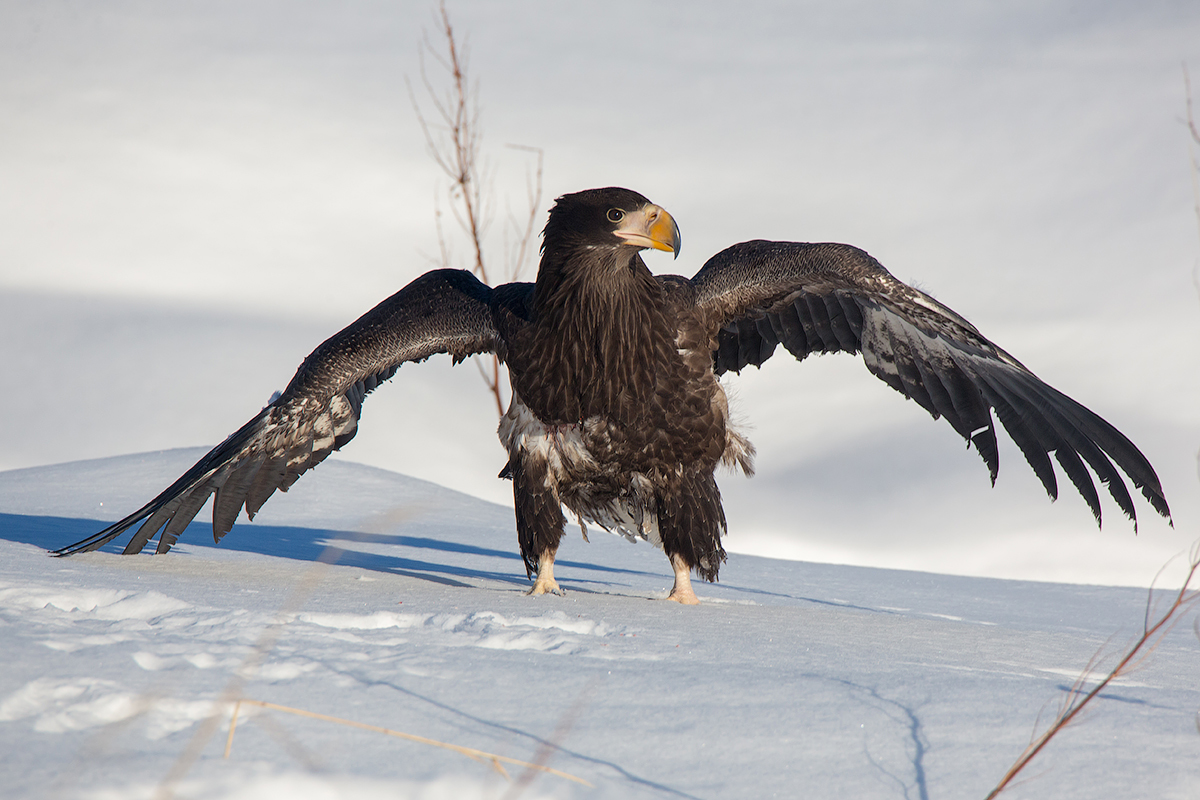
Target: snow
(378, 598)
(178, 178)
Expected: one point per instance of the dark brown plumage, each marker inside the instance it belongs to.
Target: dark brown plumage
(617, 414)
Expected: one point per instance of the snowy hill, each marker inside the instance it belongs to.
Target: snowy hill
(792, 679)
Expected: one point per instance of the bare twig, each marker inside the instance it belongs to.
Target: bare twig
(549, 747)
(1191, 121)
(496, 761)
(1195, 134)
(258, 654)
(526, 234)
(1076, 701)
(301, 590)
(453, 141)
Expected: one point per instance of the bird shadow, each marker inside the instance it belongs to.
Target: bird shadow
(429, 558)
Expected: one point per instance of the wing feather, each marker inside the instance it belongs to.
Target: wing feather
(266, 480)
(792, 330)
(1025, 435)
(445, 311)
(156, 520)
(820, 298)
(232, 494)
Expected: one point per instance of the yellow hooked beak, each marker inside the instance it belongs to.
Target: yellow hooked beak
(650, 226)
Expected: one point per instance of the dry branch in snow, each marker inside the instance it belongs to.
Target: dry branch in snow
(1137, 653)
(496, 761)
(453, 140)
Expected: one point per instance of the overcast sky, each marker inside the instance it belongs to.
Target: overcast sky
(195, 194)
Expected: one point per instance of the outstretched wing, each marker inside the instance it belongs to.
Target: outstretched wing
(446, 311)
(822, 298)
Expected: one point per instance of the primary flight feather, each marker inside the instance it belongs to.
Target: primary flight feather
(617, 413)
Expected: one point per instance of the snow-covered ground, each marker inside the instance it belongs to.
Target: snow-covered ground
(196, 194)
(791, 680)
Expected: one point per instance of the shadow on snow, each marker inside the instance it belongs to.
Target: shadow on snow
(441, 561)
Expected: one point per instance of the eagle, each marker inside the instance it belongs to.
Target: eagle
(618, 415)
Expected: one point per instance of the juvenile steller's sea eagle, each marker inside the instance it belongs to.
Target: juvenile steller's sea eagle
(617, 413)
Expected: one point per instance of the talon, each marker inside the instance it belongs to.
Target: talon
(687, 598)
(546, 586)
(545, 583)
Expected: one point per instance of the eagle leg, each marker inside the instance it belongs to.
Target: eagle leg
(545, 583)
(540, 524)
(681, 592)
(691, 523)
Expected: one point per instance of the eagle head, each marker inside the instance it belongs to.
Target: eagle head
(610, 218)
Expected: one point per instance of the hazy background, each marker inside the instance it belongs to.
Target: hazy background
(194, 195)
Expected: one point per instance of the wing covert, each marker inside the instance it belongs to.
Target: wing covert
(444, 311)
(821, 298)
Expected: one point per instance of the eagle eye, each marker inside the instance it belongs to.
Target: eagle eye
(615, 215)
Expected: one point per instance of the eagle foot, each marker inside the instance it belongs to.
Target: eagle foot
(546, 585)
(682, 592)
(686, 597)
